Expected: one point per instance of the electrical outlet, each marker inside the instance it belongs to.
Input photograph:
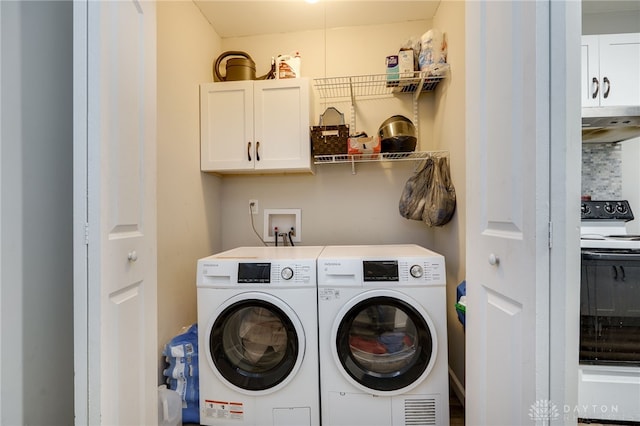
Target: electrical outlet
(254, 206)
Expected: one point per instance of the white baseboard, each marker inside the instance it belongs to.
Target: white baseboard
(457, 386)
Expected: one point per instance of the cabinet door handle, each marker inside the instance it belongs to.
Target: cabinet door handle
(249, 151)
(258, 151)
(595, 88)
(607, 87)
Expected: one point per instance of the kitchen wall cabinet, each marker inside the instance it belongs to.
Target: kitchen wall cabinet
(255, 126)
(610, 70)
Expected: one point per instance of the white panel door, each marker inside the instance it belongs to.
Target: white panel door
(115, 162)
(507, 335)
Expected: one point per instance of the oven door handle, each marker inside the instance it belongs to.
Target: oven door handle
(600, 255)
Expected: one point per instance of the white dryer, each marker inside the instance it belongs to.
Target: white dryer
(382, 336)
(257, 336)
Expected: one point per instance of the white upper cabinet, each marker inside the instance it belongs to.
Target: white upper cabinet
(255, 126)
(611, 70)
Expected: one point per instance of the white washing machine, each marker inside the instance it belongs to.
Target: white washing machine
(383, 336)
(257, 336)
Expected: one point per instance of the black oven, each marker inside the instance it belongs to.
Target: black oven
(609, 368)
(610, 306)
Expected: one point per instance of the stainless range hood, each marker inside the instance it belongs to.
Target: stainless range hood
(610, 124)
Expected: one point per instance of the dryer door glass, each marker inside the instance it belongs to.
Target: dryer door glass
(254, 345)
(384, 343)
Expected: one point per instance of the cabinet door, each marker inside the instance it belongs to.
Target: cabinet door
(226, 126)
(620, 65)
(590, 71)
(281, 111)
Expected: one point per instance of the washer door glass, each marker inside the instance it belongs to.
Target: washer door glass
(254, 345)
(384, 343)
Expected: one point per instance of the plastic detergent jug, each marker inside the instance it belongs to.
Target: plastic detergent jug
(169, 407)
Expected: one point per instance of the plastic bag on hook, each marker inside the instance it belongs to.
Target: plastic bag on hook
(441, 196)
(429, 194)
(414, 195)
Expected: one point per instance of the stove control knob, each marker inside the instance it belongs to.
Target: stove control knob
(584, 209)
(416, 271)
(609, 208)
(621, 208)
(286, 273)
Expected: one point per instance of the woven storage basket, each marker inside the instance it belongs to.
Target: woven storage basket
(329, 140)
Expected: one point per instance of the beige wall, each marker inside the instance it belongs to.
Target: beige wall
(199, 213)
(338, 207)
(341, 208)
(188, 201)
(449, 131)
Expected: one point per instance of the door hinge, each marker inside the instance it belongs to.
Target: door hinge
(550, 234)
(86, 234)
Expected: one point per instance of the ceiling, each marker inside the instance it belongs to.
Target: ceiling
(257, 17)
(250, 18)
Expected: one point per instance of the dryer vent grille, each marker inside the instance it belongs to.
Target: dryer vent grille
(420, 412)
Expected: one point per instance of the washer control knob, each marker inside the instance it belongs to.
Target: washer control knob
(286, 273)
(416, 271)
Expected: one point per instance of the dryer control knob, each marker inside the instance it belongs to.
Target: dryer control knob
(416, 271)
(286, 273)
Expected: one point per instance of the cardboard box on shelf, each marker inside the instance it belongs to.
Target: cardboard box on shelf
(406, 63)
(367, 147)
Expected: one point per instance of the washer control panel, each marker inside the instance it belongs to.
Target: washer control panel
(260, 267)
(218, 273)
(273, 272)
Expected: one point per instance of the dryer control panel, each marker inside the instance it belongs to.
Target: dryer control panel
(372, 272)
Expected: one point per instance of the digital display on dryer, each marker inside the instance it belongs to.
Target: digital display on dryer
(250, 273)
(380, 270)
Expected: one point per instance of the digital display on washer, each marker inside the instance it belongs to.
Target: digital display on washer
(254, 273)
(380, 270)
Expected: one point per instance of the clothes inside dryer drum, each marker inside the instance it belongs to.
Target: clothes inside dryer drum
(260, 331)
(255, 338)
(384, 343)
(254, 345)
(382, 339)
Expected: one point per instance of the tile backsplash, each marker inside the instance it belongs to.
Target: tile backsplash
(602, 171)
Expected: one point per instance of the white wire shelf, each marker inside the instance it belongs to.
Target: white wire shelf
(375, 85)
(382, 156)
